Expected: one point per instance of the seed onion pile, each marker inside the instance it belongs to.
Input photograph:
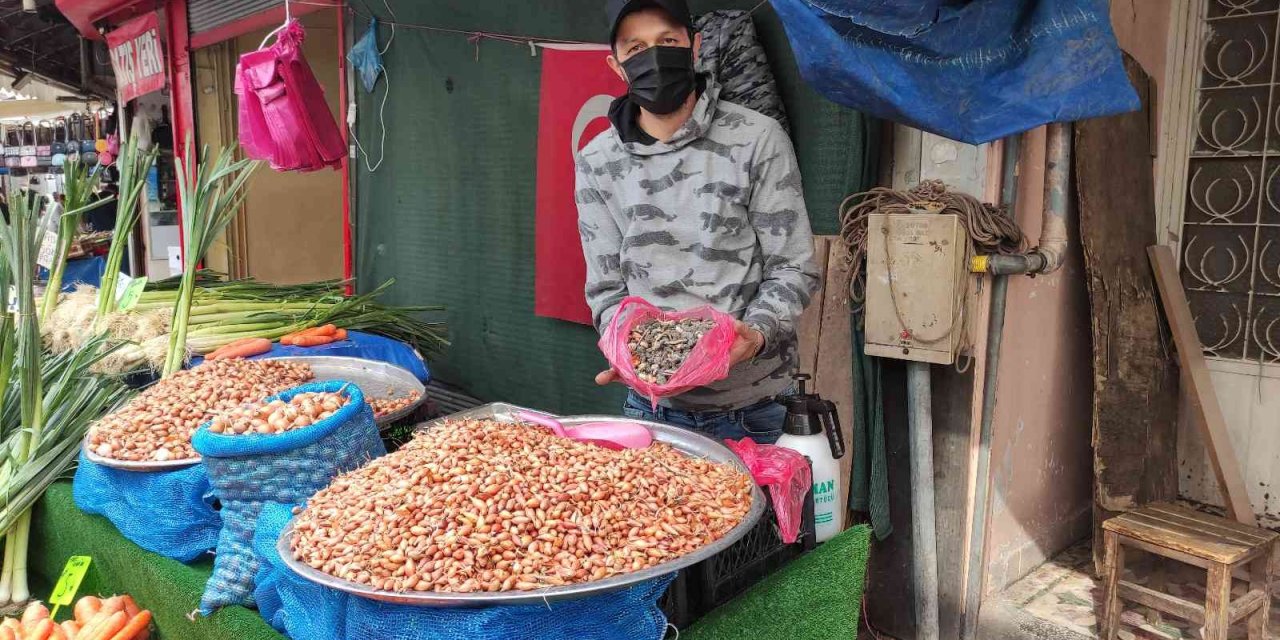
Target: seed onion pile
(158, 423)
(278, 416)
(659, 347)
(392, 404)
(479, 505)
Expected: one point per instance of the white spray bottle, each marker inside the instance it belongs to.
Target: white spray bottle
(808, 416)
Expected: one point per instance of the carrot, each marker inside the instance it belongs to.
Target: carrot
(340, 334)
(326, 330)
(96, 622)
(86, 607)
(113, 604)
(130, 607)
(108, 629)
(34, 613)
(252, 348)
(7, 633)
(42, 630)
(12, 623)
(134, 627)
(71, 628)
(59, 634)
(312, 341)
(220, 352)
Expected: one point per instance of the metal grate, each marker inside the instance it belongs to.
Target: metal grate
(204, 15)
(1231, 222)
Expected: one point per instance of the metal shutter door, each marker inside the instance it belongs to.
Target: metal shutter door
(203, 15)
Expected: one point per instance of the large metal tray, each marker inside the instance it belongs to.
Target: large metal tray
(376, 379)
(686, 441)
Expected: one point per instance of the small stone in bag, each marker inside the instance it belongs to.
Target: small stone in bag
(659, 347)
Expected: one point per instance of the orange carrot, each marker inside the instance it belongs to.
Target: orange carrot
(86, 607)
(312, 341)
(326, 330)
(134, 627)
(34, 613)
(130, 607)
(108, 629)
(95, 622)
(113, 604)
(71, 628)
(42, 630)
(340, 334)
(244, 350)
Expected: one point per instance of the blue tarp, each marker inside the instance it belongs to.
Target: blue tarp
(80, 271)
(970, 70)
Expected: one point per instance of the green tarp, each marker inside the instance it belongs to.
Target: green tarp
(450, 214)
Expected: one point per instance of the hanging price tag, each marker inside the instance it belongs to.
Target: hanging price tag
(48, 247)
(64, 593)
(128, 297)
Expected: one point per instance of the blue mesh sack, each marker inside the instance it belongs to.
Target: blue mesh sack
(304, 610)
(249, 470)
(166, 512)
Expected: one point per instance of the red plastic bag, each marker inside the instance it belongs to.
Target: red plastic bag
(706, 363)
(787, 474)
(283, 114)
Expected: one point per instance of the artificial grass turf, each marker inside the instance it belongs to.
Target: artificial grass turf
(170, 589)
(816, 597)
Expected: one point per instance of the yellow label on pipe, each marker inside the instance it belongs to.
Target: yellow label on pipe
(979, 264)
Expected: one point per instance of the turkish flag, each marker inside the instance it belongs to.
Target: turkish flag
(577, 88)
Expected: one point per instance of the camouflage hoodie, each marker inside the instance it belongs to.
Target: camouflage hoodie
(715, 215)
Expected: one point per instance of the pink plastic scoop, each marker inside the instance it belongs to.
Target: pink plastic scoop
(616, 435)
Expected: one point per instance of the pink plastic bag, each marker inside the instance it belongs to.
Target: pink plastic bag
(787, 474)
(708, 362)
(284, 118)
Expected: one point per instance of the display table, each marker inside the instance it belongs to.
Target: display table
(171, 590)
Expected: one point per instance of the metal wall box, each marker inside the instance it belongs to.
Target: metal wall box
(915, 272)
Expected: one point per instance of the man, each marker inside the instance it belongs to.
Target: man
(688, 200)
(103, 217)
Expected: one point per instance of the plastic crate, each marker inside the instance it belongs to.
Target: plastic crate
(721, 578)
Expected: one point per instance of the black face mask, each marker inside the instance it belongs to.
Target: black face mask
(660, 79)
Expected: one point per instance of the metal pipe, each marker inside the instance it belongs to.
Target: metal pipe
(924, 533)
(977, 563)
(1052, 250)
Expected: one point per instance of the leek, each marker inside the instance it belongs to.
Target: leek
(134, 165)
(211, 194)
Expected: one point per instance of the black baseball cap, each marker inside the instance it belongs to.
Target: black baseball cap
(619, 9)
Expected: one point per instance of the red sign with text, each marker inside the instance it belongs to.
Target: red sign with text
(137, 57)
(577, 88)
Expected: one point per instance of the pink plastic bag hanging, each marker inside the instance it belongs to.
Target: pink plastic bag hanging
(284, 118)
(706, 363)
(786, 472)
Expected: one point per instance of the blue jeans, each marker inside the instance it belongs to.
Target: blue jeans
(761, 421)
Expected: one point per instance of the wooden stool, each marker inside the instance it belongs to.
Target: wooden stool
(1209, 542)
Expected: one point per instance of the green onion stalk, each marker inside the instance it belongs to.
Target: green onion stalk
(134, 164)
(78, 191)
(211, 193)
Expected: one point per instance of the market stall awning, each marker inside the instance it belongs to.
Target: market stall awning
(84, 14)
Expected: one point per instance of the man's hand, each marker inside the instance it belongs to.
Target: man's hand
(747, 345)
(605, 377)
